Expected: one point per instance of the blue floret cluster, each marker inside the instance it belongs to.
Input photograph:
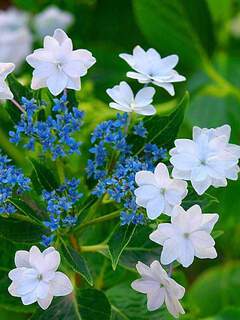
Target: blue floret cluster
(114, 165)
(59, 205)
(12, 183)
(55, 134)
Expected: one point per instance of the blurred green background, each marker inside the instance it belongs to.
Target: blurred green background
(206, 36)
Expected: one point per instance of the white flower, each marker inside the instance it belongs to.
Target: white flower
(125, 100)
(159, 288)
(157, 192)
(35, 278)
(50, 19)
(150, 67)
(16, 39)
(206, 160)
(57, 66)
(5, 70)
(187, 235)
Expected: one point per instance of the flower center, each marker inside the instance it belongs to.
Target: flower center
(186, 235)
(39, 277)
(162, 191)
(59, 66)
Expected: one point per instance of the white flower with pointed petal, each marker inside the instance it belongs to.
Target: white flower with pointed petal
(208, 159)
(57, 66)
(159, 288)
(125, 101)
(50, 19)
(5, 70)
(36, 279)
(157, 192)
(187, 235)
(151, 68)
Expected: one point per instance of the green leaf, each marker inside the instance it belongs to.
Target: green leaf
(121, 237)
(220, 285)
(127, 304)
(162, 130)
(88, 304)
(44, 176)
(20, 231)
(227, 314)
(177, 27)
(77, 262)
(18, 91)
(204, 201)
(23, 208)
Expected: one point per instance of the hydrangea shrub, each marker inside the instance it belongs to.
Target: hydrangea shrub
(131, 208)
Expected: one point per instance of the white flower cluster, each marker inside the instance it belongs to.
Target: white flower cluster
(207, 160)
(149, 68)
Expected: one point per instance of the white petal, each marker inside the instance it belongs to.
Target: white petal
(155, 299)
(201, 239)
(12, 289)
(146, 111)
(170, 251)
(143, 269)
(144, 97)
(120, 107)
(22, 259)
(138, 76)
(162, 175)
(205, 253)
(52, 260)
(42, 290)
(195, 216)
(167, 86)
(38, 83)
(184, 161)
(45, 303)
(208, 221)
(60, 35)
(147, 192)
(74, 69)
(61, 285)
(84, 56)
(144, 286)
(163, 232)
(57, 83)
(173, 305)
(36, 258)
(185, 253)
(144, 177)
(170, 62)
(6, 69)
(155, 207)
(201, 186)
(29, 298)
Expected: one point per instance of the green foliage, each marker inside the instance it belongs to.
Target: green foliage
(76, 262)
(176, 27)
(88, 304)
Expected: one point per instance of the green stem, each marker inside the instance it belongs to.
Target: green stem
(94, 248)
(101, 219)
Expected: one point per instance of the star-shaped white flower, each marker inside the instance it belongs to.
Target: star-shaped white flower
(57, 66)
(208, 159)
(159, 288)
(187, 235)
(150, 67)
(157, 192)
(36, 279)
(50, 19)
(125, 101)
(5, 70)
